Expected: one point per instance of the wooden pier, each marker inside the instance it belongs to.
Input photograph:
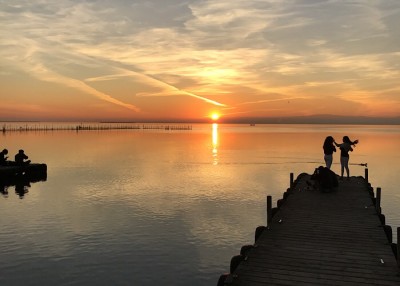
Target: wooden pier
(319, 238)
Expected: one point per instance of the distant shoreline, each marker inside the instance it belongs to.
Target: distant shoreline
(323, 120)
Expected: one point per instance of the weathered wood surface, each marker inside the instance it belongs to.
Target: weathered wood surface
(322, 239)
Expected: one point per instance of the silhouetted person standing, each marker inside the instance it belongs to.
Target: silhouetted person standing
(345, 148)
(20, 158)
(329, 148)
(3, 157)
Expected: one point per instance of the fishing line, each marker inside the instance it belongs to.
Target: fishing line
(276, 163)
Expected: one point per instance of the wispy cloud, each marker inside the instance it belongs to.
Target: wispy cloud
(286, 99)
(44, 74)
(223, 53)
(166, 89)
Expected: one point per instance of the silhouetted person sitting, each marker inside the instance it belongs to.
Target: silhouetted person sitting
(20, 158)
(3, 157)
(325, 179)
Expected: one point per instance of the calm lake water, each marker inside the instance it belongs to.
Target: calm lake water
(159, 207)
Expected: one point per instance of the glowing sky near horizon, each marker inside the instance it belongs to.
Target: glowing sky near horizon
(132, 60)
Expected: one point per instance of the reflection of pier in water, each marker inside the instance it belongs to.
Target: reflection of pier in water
(21, 177)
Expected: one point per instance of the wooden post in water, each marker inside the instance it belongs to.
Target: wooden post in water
(366, 175)
(378, 200)
(269, 211)
(291, 180)
(398, 247)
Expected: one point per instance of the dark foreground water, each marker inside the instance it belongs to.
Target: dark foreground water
(157, 207)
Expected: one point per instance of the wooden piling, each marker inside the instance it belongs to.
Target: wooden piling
(366, 175)
(90, 127)
(398, 248)
(269, 210)
(291, 180)
(378, 200)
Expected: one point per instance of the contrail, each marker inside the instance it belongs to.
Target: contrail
(42, 73)
(168, 89)
(80, 85)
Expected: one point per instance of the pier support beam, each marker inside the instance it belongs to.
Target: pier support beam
(291, 181)
(269, 211)
(398, 248)
(378, 200)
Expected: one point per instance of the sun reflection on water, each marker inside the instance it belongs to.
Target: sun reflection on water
(215, 143)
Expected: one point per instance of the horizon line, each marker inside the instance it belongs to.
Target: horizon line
(345, 120)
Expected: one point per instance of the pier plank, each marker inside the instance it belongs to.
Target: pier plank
(318, 238)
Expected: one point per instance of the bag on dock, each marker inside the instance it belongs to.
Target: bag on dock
(325, 179)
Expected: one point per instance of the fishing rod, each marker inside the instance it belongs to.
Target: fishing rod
(283, 163)
(360, 164)
(353, 164)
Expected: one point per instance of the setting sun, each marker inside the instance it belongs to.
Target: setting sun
(215, 116)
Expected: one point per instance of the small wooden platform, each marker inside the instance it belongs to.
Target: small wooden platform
(317, 238)
(13, 174)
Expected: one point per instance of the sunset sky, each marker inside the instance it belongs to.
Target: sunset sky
(185, 59)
